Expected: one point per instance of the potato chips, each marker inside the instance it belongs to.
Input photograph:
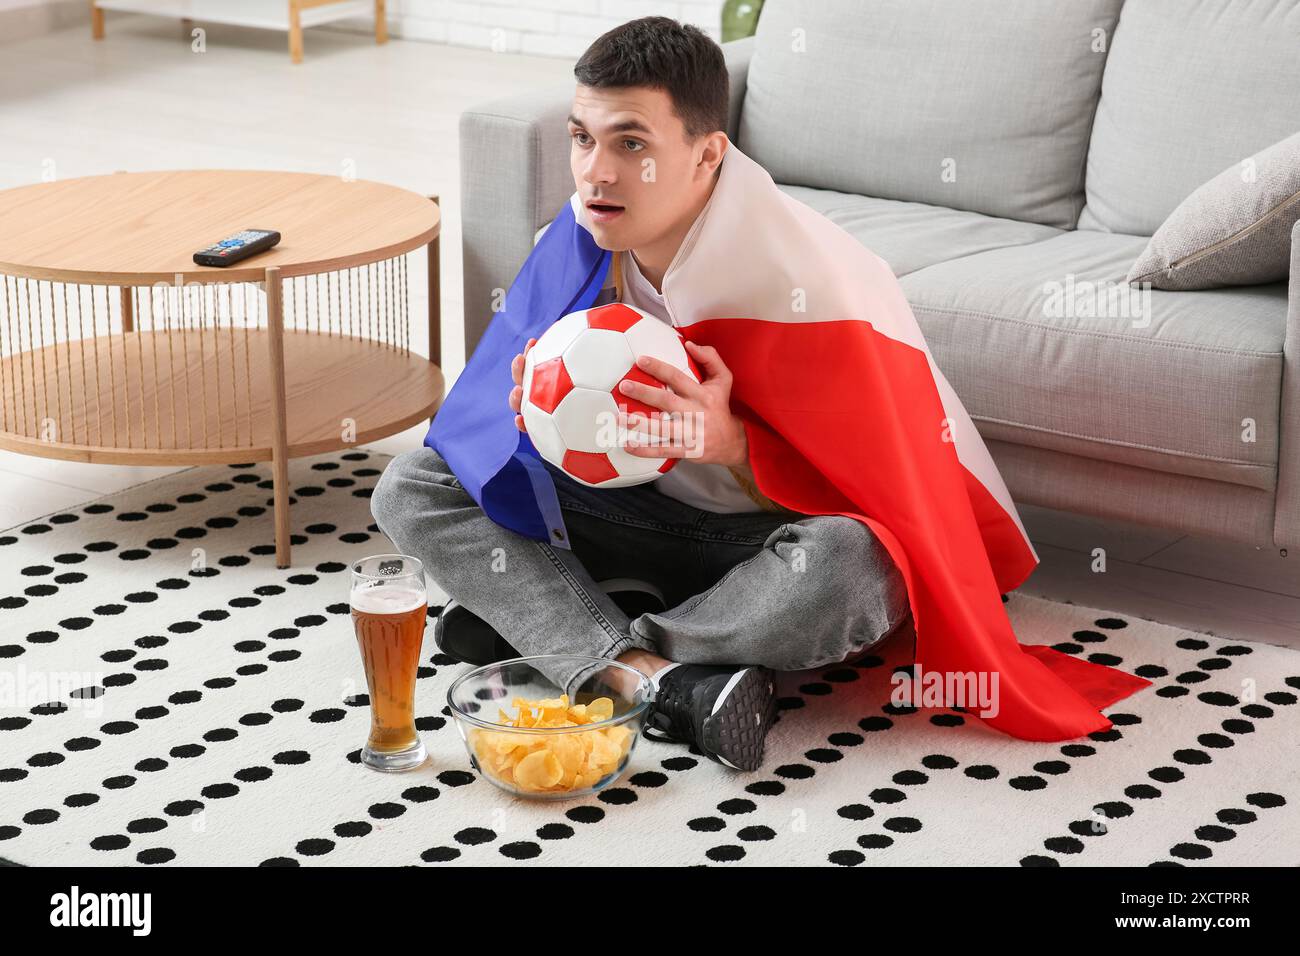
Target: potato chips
(552, 763)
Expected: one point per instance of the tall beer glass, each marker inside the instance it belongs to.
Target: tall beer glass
(389, 609)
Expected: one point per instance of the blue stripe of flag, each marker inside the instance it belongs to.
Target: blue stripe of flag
(474, 430)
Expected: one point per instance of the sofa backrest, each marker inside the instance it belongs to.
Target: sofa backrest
(984, 105)
(1191, 87)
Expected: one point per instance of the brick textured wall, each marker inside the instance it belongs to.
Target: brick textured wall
(561, 28)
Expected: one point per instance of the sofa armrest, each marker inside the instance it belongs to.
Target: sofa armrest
(738, 54)
(515, 176)
(1286, 526)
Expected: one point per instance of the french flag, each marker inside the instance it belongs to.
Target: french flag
(845, 412)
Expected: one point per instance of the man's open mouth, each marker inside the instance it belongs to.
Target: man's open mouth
(603, 210)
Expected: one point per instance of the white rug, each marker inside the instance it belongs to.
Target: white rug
(150, 713)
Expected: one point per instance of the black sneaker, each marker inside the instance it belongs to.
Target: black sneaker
(725, 711)
(462, 634)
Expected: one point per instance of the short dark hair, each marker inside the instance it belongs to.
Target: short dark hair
(661, 53)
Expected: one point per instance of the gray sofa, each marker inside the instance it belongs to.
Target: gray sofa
(1009, 159)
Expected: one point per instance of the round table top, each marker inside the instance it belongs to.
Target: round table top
(142, 228)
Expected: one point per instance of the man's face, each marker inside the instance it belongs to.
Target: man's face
(628, 149)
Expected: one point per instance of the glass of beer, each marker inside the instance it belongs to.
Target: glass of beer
(389, 609)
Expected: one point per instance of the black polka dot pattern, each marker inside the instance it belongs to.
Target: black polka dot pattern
(220, 711)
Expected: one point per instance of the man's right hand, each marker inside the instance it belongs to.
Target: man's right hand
(517, 393)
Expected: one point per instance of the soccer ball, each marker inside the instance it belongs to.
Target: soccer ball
(570, 391)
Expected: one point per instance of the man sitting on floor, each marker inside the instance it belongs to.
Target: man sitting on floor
(696, 579)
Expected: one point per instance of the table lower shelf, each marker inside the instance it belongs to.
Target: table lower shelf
(194, 397)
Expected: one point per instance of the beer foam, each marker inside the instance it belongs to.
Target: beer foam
(387, 599)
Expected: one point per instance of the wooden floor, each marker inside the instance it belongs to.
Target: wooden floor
(136, 101)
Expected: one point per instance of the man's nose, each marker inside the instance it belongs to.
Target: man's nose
(599, 167)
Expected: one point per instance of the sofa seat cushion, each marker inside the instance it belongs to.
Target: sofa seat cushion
(913, 235)
(1046, 347)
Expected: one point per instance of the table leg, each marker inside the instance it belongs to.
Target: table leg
(381, 22)
(279, 425)
(435, 293)
(96, 21)
(295, 32)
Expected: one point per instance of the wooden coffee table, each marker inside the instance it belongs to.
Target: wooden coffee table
(115, 347)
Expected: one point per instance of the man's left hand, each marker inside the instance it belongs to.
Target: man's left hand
(699, 425)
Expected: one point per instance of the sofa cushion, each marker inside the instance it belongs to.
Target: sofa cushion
(1234, 230)
(913, 235)
(1164, 383)
(983, 105)
(1191, 87)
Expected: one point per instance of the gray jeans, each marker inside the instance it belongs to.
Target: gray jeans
(754, 588)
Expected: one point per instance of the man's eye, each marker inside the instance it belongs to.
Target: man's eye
(579, 133)
(635, 143)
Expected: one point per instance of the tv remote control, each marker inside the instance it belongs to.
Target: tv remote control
(241, 245)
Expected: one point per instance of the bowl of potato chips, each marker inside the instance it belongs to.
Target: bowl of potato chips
(533, 740)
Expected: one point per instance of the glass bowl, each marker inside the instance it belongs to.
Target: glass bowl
(529, 758)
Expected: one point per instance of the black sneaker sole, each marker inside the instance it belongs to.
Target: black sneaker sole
(736, 732)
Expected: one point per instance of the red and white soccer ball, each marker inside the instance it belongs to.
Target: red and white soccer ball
(571, 398)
